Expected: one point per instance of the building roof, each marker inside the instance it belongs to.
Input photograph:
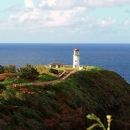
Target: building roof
(56, 63)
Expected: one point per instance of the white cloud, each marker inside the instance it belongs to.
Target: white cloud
(56, 14)
(29, 3)
(29, 15)
(59, 4)
(51, 2)
(106, 23)
(68, 16)
(127, 22)
(105, 3)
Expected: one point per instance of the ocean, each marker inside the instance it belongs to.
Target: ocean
(115, 57)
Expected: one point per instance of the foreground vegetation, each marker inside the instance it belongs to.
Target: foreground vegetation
(63, 104)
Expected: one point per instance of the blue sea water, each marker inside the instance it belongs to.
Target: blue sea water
(115, 57)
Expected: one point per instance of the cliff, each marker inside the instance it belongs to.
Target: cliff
(64, 104)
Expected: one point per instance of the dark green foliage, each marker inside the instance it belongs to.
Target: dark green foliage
(15, 120)
(4, 110)
(42, 103)
(2, 86)
(71, 104)
(44, 113)
(9, 128)
(59, 86)
(31, 114)
(28, 125)
(54, 71)
(14, 81)
(9, 94)
(1, 117)
(10, 69)
(27, 70)
(54, 106)
(1, 69)
(46, 77)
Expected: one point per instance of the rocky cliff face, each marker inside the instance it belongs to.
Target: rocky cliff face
(64, 105)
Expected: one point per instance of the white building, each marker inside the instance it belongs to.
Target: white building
(56, 65)
(76, 58)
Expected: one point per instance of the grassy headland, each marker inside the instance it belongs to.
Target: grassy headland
(43, 101)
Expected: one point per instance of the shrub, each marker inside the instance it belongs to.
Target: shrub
(2, 86)
(1, 117)
(10, 69)
(1, 69)
(54, 71)
(28, 113)
(46, 77)
(4, 110)
(15, 120)
(27, 71)
(9, 94)
(28, 125)
(20, 96)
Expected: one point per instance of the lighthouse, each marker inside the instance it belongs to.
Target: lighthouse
(76, 58)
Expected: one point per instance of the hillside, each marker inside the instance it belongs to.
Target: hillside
(64, 104)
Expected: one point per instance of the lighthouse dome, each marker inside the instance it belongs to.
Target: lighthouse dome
(76, 49)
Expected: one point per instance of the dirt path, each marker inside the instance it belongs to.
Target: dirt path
(48, 83)
(63, 76)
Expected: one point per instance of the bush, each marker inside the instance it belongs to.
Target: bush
(28, 113)
(54, 71)
(15, 120)
(46, 77)
(1, 69)
(10, 69)
(4, 110)
(27, 70)
(9, 94)
(2, 86)
(28, 125)
(1, 117)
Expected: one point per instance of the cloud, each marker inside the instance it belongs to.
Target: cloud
(29, 3)
(106, 23)
(50, 13)
(57, 15)
(127, 22)
(105, 3)
(58, 4)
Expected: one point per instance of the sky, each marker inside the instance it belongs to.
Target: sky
(65, 21)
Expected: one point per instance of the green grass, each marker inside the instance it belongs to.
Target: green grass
(45, 77)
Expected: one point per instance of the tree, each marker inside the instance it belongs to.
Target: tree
(27, 70)
(10, 69)
(1, 69)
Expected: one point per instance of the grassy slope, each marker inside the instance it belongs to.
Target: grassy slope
(65, 104)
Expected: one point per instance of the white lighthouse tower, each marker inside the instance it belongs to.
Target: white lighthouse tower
(76, 58)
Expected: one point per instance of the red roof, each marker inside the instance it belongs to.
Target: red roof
(76, 49)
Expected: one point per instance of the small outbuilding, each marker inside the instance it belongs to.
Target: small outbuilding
(56, 65)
